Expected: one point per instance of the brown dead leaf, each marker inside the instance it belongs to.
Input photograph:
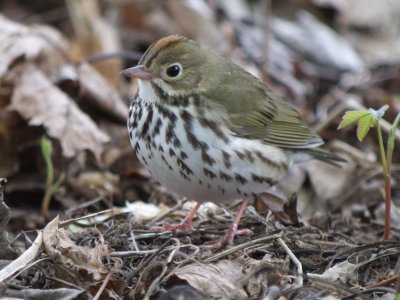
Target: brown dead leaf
(32, 60)
(220, 279)
(329, 181)
(99, 94)
(39, 44)
(60, 248)
(343, 271)
(94, 35)
(92, 184)
(37, 100)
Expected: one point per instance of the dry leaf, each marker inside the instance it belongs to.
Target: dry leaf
(32, 59)
(37, 100)
(92, 183)
(95, 35)
(342, 271)
(220, 279)
(99, 94)
(61, 248)
(329, 181)
(39, 44)
(318, 43)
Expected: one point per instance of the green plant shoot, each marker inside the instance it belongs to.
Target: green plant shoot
(51, 186)
(365, 121)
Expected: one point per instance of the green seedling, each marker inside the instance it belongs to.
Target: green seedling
(366, 120)
(51, 186)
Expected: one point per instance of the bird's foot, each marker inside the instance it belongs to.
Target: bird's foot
(227, 238)
(186, 224)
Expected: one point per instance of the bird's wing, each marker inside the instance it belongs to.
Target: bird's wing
(253, 111)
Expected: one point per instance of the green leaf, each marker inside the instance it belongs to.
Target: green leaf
(351, 117)
(364, 124)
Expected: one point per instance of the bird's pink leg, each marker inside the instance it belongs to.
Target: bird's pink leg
(232, 231)
(186, 224)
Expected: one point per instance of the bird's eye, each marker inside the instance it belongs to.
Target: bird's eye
(174, 70)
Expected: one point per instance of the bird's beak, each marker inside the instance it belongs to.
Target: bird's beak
(138, 72)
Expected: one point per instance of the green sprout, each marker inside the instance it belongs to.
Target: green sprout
(367, 120)
(51, 186)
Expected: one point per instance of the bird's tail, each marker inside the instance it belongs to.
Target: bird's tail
(320, 154)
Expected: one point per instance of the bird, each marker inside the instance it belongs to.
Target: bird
(208, 130)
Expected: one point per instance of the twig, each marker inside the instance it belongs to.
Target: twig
(75, 220)
(374, 290)
(316, 279)
(140, 268)
(83, 205)
(360, 248)
(294, 259)
(131, 55)
(156, 281)
(234, 249)
(103, 285)
(66, 283)
(144, 252)
(24, 260)
(133, 238)
(387, 281)
(171, 210)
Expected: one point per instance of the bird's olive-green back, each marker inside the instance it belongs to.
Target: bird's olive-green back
(249, 106)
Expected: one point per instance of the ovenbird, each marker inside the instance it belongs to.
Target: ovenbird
(207, 129)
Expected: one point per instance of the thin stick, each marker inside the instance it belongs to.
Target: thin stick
(294, 259)
(234, 249)
(103, 286)
(169, 211)
(153, 285)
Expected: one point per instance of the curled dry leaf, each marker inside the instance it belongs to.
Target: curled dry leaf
(342, 271)
(39, 44)
(220, 279)
(60, 248)
(37, 100)
(33, 59)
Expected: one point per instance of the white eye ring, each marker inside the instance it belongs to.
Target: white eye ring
(174, 70)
